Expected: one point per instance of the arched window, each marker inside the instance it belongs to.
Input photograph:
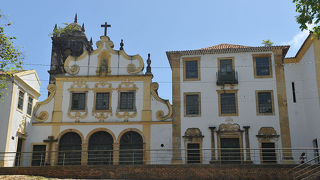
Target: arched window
(69, 149)
(131, 148)
(100, 149)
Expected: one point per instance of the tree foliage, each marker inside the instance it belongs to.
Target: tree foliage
(267, 42)
(67, 29)
(10, 56)
(309, 13)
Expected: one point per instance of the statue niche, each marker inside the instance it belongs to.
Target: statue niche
(103, 67)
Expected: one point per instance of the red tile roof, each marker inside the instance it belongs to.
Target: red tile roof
(224, 46)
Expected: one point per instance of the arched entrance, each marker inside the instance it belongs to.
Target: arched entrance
(131, 148)
(69, 149)
(100, 149)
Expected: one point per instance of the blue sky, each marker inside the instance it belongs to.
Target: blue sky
(154, 27)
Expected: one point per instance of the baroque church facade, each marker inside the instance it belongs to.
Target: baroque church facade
(230, 104)
(101, 109)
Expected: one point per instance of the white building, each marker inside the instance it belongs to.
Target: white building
(302, 74)
(16, 108)
(102, 105)
(233, 96)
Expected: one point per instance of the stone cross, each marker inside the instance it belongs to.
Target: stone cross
(105, 25)
(50, 141)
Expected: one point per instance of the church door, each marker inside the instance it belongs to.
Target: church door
(70, 149)
(131, 148)
(230, 150)
(100, 149)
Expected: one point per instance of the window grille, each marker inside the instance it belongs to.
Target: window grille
(102, 101)
(20, 100)
(191, 69)
(265, 102)
(127, 100)
(29, 108)
(192, 104)
(228, 103)
(78, 101)
(262, 66)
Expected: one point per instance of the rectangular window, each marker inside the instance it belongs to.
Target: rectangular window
(293, 92)
(192, 104)
(78, 101)
(38, 155)
(226, 66)
(29, 108)
(191, 68)
(127, 100)
(262, 66)
(265, 102)
(228, 104)
(20, 100)
(102, 101)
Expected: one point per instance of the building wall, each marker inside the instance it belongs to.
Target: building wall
(304, 114)
(247, 115)
(5, 106)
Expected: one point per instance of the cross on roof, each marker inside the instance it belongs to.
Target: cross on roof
(105, 25)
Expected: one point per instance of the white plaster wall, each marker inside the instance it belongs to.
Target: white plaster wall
(161, 134)
(246, 100)
(31, 80)
(304, 114)
(5, 106)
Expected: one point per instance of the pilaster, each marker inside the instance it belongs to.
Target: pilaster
(176, 101)
(283, 107)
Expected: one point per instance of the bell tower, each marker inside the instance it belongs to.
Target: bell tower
(70, 40)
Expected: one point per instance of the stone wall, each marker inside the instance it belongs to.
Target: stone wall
(192, 172)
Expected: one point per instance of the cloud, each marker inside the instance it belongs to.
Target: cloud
(297, 40)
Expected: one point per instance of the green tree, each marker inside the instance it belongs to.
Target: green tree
(267, 42)
(10, 56)
(309, 13)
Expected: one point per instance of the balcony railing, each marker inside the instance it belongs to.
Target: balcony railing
(230, 77)
(263, 156)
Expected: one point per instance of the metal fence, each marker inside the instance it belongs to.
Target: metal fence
(158, 156)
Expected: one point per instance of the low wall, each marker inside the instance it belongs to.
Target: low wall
(192, 172)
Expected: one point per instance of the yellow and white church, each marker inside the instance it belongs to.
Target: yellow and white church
(101, 109)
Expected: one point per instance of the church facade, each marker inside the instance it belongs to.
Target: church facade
(102, 107)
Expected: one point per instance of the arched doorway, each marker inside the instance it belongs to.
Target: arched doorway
(100, 149)
(131, 148)
(69, 149)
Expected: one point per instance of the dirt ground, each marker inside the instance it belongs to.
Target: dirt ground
(22, 177)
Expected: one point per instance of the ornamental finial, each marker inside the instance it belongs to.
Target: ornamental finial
(149, 65)
(121, 44)
(82, 28)
(76, 18)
